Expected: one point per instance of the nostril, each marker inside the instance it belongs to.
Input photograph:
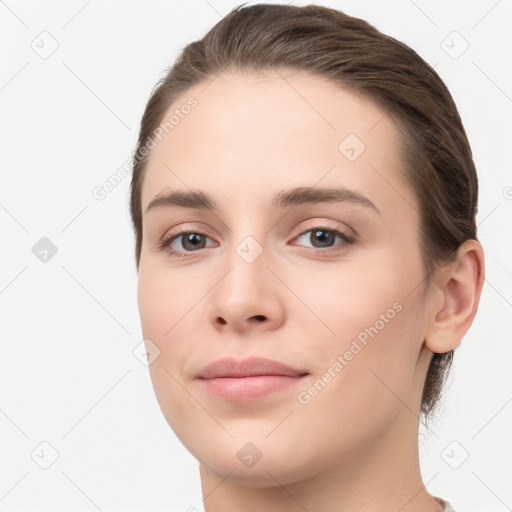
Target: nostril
(260, 317)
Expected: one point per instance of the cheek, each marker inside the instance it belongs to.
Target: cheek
(360, 387)
(162, 315)
(366, 340)
(167, 301)
(355, 300)
(172, 312)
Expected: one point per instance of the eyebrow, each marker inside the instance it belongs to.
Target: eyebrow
(285, 198)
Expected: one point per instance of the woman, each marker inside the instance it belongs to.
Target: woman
(304, 202)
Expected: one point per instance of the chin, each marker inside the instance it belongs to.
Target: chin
(258, 463)
(268, 473)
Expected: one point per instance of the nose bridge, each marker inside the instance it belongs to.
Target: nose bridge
(247, 258)
(247, 240)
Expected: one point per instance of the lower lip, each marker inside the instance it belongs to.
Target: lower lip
(249, 388)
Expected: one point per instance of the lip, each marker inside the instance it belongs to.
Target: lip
(251, 367)
(248, 379)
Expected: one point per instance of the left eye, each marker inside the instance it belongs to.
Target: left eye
(325, 237)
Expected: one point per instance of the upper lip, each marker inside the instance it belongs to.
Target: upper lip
(253, 366)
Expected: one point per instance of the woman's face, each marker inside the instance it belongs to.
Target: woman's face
(265, 273)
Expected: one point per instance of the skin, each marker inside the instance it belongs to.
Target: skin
(354, 446)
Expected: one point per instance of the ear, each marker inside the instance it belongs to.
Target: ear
(455, 298)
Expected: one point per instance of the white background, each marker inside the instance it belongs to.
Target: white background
(68, 375)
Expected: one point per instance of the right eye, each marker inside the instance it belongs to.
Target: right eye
(191, 241)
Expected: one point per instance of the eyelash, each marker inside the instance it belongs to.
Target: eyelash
(167, 240)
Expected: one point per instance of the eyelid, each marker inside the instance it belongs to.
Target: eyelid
(328, 224)
(315, 224)
(183, 229)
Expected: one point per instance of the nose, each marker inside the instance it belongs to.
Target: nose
(248, 295)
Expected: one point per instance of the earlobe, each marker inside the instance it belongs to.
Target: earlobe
(460, 285)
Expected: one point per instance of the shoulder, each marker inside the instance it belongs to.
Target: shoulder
(447, 505)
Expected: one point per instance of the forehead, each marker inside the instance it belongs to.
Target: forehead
(255, 133)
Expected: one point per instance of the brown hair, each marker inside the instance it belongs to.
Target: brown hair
(352, 53)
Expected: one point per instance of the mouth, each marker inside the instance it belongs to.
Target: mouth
(249, 379)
